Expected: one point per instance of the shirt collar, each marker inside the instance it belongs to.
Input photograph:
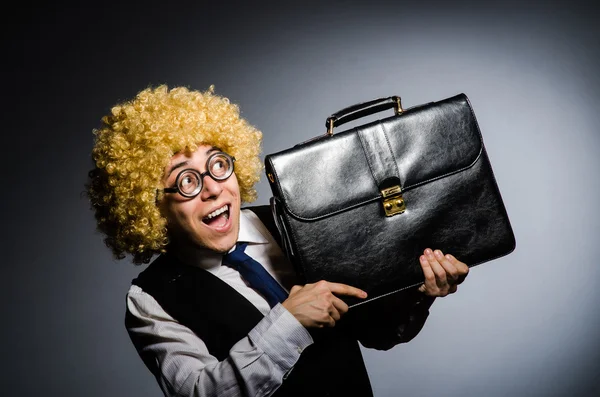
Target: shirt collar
(249, 230)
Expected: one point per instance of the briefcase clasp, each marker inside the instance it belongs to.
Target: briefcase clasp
(393, 203)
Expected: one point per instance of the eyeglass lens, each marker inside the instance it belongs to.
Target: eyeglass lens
(219, 167)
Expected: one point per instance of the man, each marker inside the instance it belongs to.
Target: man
(173, 167)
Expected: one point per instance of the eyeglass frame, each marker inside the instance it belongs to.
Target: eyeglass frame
(200, 176)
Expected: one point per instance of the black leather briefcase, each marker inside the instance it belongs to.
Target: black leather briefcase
(360, 206)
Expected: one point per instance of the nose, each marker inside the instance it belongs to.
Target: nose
(210, 188)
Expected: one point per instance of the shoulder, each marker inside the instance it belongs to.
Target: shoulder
(141, 305)
(162, 265)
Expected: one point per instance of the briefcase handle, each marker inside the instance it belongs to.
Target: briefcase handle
(361, 110)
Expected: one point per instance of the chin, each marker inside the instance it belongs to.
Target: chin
(222, 248)
(223, 243)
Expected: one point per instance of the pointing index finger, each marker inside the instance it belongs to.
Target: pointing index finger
(344, 289)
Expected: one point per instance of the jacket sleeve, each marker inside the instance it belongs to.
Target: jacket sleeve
(183, 366)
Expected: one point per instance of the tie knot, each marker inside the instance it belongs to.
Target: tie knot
(236, 256)
(240, 247)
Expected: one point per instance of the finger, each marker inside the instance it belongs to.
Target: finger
(461, 267)
(331, 322)
(344, 289)
(438, 270)
(330, 316)
(451, 271)
(334, 313)
(430, 283)
(340, 306)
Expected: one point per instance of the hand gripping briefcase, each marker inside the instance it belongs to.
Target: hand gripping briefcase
(358, 207)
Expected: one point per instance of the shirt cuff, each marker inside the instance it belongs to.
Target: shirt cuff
(281, 336)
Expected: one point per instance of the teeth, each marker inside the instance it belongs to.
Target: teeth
(217, 212)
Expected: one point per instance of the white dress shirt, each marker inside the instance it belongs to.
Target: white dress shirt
(256, 365)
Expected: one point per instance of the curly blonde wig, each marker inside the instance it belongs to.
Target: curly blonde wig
(134, 145)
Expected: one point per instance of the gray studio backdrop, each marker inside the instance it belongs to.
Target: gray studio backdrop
(523, 325)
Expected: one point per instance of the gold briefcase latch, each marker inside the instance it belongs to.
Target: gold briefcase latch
(393, 203)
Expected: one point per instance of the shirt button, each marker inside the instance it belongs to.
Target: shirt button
(299, 349)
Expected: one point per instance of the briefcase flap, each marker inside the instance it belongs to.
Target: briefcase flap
(329, 175)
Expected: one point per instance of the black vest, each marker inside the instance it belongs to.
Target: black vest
(220, 316)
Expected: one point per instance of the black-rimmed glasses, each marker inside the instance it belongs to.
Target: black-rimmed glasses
(219, 166)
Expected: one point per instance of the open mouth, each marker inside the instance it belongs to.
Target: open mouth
(218, 218)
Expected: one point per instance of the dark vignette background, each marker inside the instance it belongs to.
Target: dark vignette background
(523, 325)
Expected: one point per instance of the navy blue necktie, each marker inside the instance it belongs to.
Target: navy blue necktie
(255, 274)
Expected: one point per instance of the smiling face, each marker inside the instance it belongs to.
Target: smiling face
(209, 220)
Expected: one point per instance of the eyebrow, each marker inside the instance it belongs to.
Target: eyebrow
(175, 166)
(181, 164)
